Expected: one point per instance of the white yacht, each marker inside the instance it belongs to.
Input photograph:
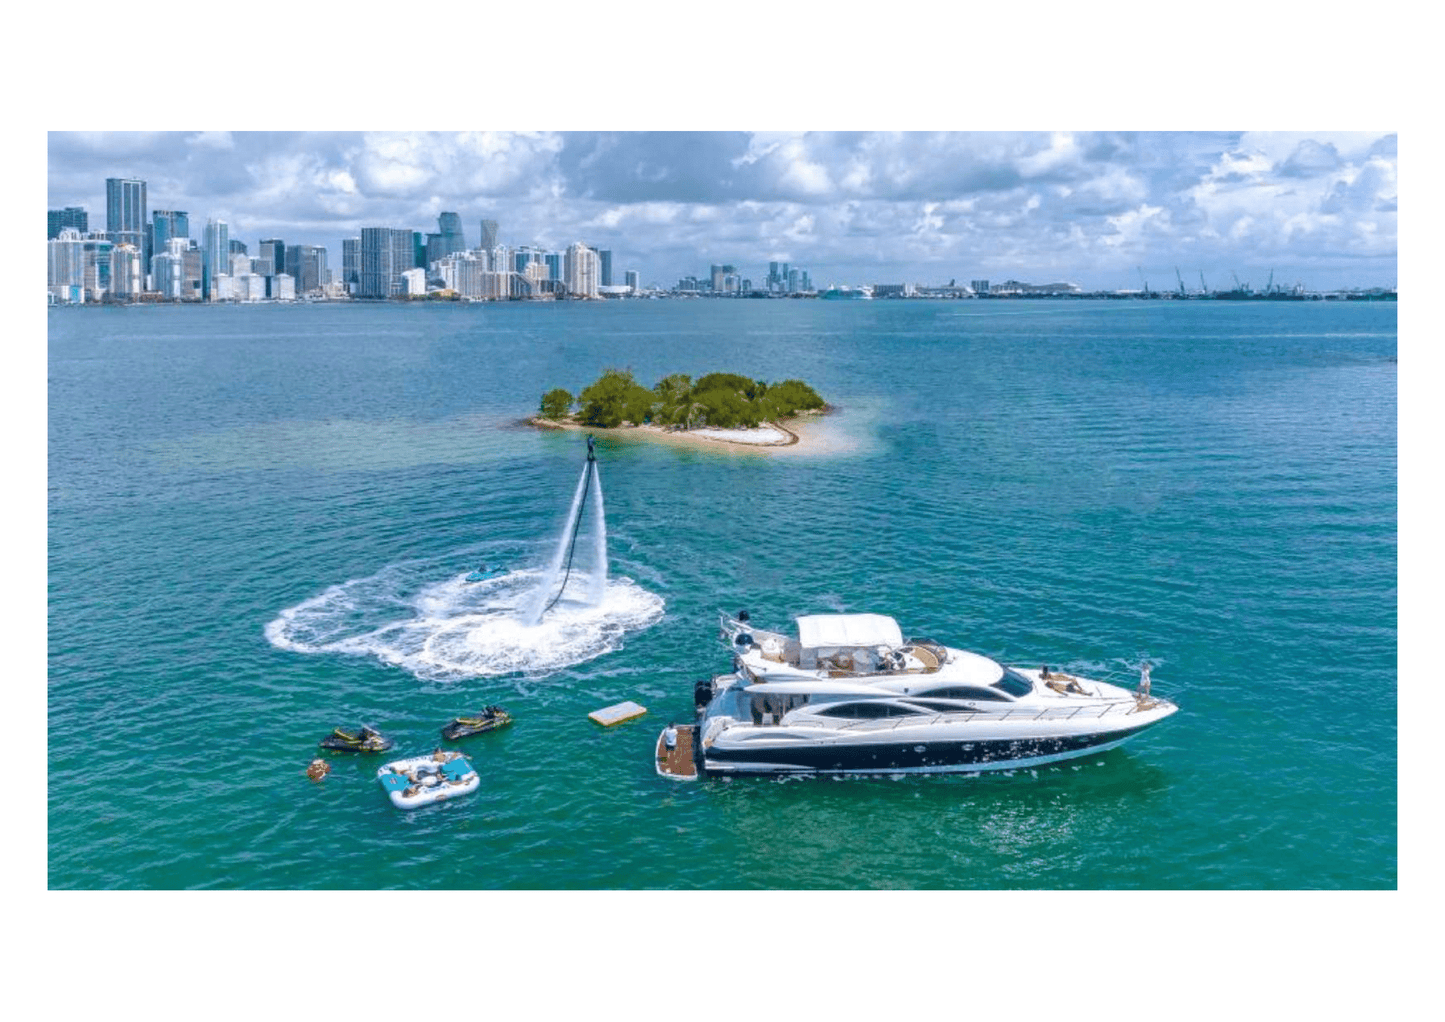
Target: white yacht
(849, 694)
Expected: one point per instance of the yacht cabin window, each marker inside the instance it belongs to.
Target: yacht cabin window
(965, 692)
(940, 706)
(867, 711)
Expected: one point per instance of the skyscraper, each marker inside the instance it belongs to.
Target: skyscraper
(351, 262)
(96, 249)
(125, 212)
(306, 265)
(604, 256)
(385, 253)
(489, 236)
(127, 276)
(724, 278)
(168, 269)
(71, 216)
(215, 256)
(165, 225)
(275, 250)
(65, 268)
(580, 270)
(453, 237)
(192, 273)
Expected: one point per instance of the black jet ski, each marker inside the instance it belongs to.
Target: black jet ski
(491, 718)
(362, 739)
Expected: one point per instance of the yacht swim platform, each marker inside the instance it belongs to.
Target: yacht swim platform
(678, 762)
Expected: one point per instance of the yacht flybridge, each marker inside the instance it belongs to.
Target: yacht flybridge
(849, 694)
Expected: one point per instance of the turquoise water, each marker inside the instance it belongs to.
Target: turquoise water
(257, 517)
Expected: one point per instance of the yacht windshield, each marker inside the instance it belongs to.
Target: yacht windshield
(1014, 683)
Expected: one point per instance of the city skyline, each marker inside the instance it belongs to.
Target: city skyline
(1103, 210)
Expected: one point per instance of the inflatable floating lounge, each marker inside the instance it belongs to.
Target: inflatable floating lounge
(491, 718)
(485, 572)
(362, 739)
(422, 780)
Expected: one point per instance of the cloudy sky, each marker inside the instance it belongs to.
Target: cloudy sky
(855, 207)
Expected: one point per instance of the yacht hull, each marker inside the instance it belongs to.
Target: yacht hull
(900, 754)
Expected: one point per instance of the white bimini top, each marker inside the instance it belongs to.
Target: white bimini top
(820, 630)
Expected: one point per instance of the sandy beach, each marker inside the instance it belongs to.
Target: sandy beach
(767, 437)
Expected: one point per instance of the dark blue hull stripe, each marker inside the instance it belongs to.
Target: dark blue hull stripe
(912, 755)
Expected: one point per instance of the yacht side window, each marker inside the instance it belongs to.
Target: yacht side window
(867, 711)
(964, 692)
(943, 706)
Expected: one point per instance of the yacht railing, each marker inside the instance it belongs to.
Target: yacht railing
(1120, 707)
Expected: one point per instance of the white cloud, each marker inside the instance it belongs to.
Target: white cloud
(801, 172)
(1132, 227)
(1278, 146)
(1062, 150)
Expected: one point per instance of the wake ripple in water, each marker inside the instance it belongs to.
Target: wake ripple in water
(455, 629)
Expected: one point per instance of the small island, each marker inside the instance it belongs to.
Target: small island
(716, 408)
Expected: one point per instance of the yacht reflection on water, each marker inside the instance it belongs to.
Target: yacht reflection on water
(850, 695)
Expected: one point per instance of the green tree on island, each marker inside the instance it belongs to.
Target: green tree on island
(556, 403)
(614, 398)
(723, 400)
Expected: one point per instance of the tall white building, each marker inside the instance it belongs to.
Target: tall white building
(65, 267)
(126, 277)
(488, 239)
(581, 271)
(414, 281)
(96, 248)
(535, 278)
(168, 269)
(461, 272)
(248, 287)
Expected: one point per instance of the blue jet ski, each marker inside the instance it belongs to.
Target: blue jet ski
(485, 572)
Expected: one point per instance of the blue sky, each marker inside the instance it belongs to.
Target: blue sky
(860, 207)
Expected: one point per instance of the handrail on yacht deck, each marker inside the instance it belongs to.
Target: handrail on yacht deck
(1047, 713)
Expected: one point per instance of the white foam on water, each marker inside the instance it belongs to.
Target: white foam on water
(455, 629)
(537, 605)
(599, 542)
